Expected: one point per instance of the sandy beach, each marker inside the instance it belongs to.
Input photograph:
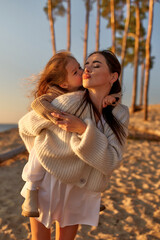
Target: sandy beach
(132, 198)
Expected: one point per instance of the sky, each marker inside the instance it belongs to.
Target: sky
(25, 48)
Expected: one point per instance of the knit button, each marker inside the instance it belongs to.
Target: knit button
(82, 180)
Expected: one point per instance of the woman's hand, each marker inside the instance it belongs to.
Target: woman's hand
(69, 122)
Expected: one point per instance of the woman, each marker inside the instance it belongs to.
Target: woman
(81, 171)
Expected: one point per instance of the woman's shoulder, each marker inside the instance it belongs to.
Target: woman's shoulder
(121, 112)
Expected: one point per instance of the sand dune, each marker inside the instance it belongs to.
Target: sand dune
(132, 199)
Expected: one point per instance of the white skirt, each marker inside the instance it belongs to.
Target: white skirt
(65, 203)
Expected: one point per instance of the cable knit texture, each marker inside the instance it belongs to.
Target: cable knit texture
(86, 160)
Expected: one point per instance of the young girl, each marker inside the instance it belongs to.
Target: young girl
(62, 74)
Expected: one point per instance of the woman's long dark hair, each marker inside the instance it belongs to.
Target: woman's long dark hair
(111, 120)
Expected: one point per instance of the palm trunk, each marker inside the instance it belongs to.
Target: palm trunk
(68, 25)
(147, 69)
(124, 41)
(98, 25)
(86, 31)
(113, 26)
(142, 84)
(51, 22)
(136, 51)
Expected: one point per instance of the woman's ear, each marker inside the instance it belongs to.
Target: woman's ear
(64, 85)
(114, 78)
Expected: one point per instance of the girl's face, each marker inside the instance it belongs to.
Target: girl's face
(74, 77)
(96, 73)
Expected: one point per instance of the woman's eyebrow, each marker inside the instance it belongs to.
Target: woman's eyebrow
(96, 61)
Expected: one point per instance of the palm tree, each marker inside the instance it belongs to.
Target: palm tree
(112, 11)
(68, 25)
(136, 57)
(147, 69)
(51, 23)
(98, 24)
(52, 9)
(142, 84)
(87, 3)
(124, 41)
(113, 26)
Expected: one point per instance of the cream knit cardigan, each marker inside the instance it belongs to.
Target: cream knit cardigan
(86, 160)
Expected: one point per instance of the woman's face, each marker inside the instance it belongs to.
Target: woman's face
(96, 73)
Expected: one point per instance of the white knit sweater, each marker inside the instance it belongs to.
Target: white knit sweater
(87, 160)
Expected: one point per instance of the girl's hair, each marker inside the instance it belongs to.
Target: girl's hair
(114, 124)
(54, 73)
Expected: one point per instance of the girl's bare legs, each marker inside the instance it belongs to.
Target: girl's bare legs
(66, 233)
(39, 231)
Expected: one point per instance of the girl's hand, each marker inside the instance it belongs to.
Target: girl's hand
(69, 122)
(112, 99)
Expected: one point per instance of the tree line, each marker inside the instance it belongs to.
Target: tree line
(130, 40)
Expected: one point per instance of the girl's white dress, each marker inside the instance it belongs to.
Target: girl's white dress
(67, 204)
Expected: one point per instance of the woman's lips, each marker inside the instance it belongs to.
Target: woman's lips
(86, 76)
